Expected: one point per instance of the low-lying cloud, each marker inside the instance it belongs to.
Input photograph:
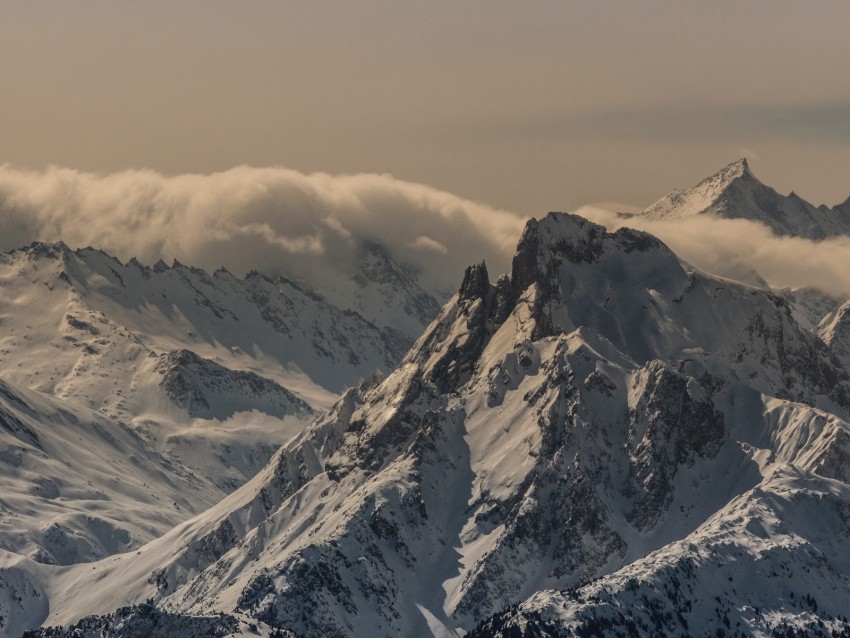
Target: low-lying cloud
(281, 221)
(745, 250)
(274, 220)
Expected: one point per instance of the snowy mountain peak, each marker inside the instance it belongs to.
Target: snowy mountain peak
(736, 171)
(476, 282)
(738, 168)
(563, 237)
(735, 193)
(711, 191)
(47, 250)
(160, 266)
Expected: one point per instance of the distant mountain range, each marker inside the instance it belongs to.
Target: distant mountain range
(605, 441)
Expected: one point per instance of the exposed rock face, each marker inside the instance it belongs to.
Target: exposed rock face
(834, 329)
(671, 421)
(206, 389)
(142, 621)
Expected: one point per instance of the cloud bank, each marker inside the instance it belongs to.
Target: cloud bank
(274, 220)
(281, 221)
(745, 250)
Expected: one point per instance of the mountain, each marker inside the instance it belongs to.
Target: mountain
(735, 193)
(770, 563)
(810, 306)
(77, 487)
(84, 311)
(133, 398)
(159, 348)
(208, 390)
(378, 288)
(834, 330)
(603, 431)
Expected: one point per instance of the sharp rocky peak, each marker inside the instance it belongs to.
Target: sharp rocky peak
(711, 192)
(556, 240)
(735, 170)
(45, 249)
(735, 173)
(561, 238)
(564, 266)
(476, 282)
(735, 193)
(732, 176)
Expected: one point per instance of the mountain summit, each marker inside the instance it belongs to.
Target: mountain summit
(735, 193)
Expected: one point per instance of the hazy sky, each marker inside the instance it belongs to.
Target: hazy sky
(527, 106)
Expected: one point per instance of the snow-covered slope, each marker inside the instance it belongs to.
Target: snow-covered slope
(378, 288)
(75, 487)
(772, 563)
(157, 347)
(834, 329)
(810, 306)
(206, 389)
(70, 315)
(602, 405)
(735, 193)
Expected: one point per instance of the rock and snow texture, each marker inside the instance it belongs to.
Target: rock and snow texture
(810, 306)
(381, 290)
(76, 487)
(834, 329)
(603, 431)
(209, 390)
(71, 315)
(771, 563)
(146, 621)
(203, 366)
(735, 193)
(133, 398)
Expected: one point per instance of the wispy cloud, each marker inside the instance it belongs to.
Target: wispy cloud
(745, 250)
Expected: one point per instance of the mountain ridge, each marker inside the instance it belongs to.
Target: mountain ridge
(602, 402)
